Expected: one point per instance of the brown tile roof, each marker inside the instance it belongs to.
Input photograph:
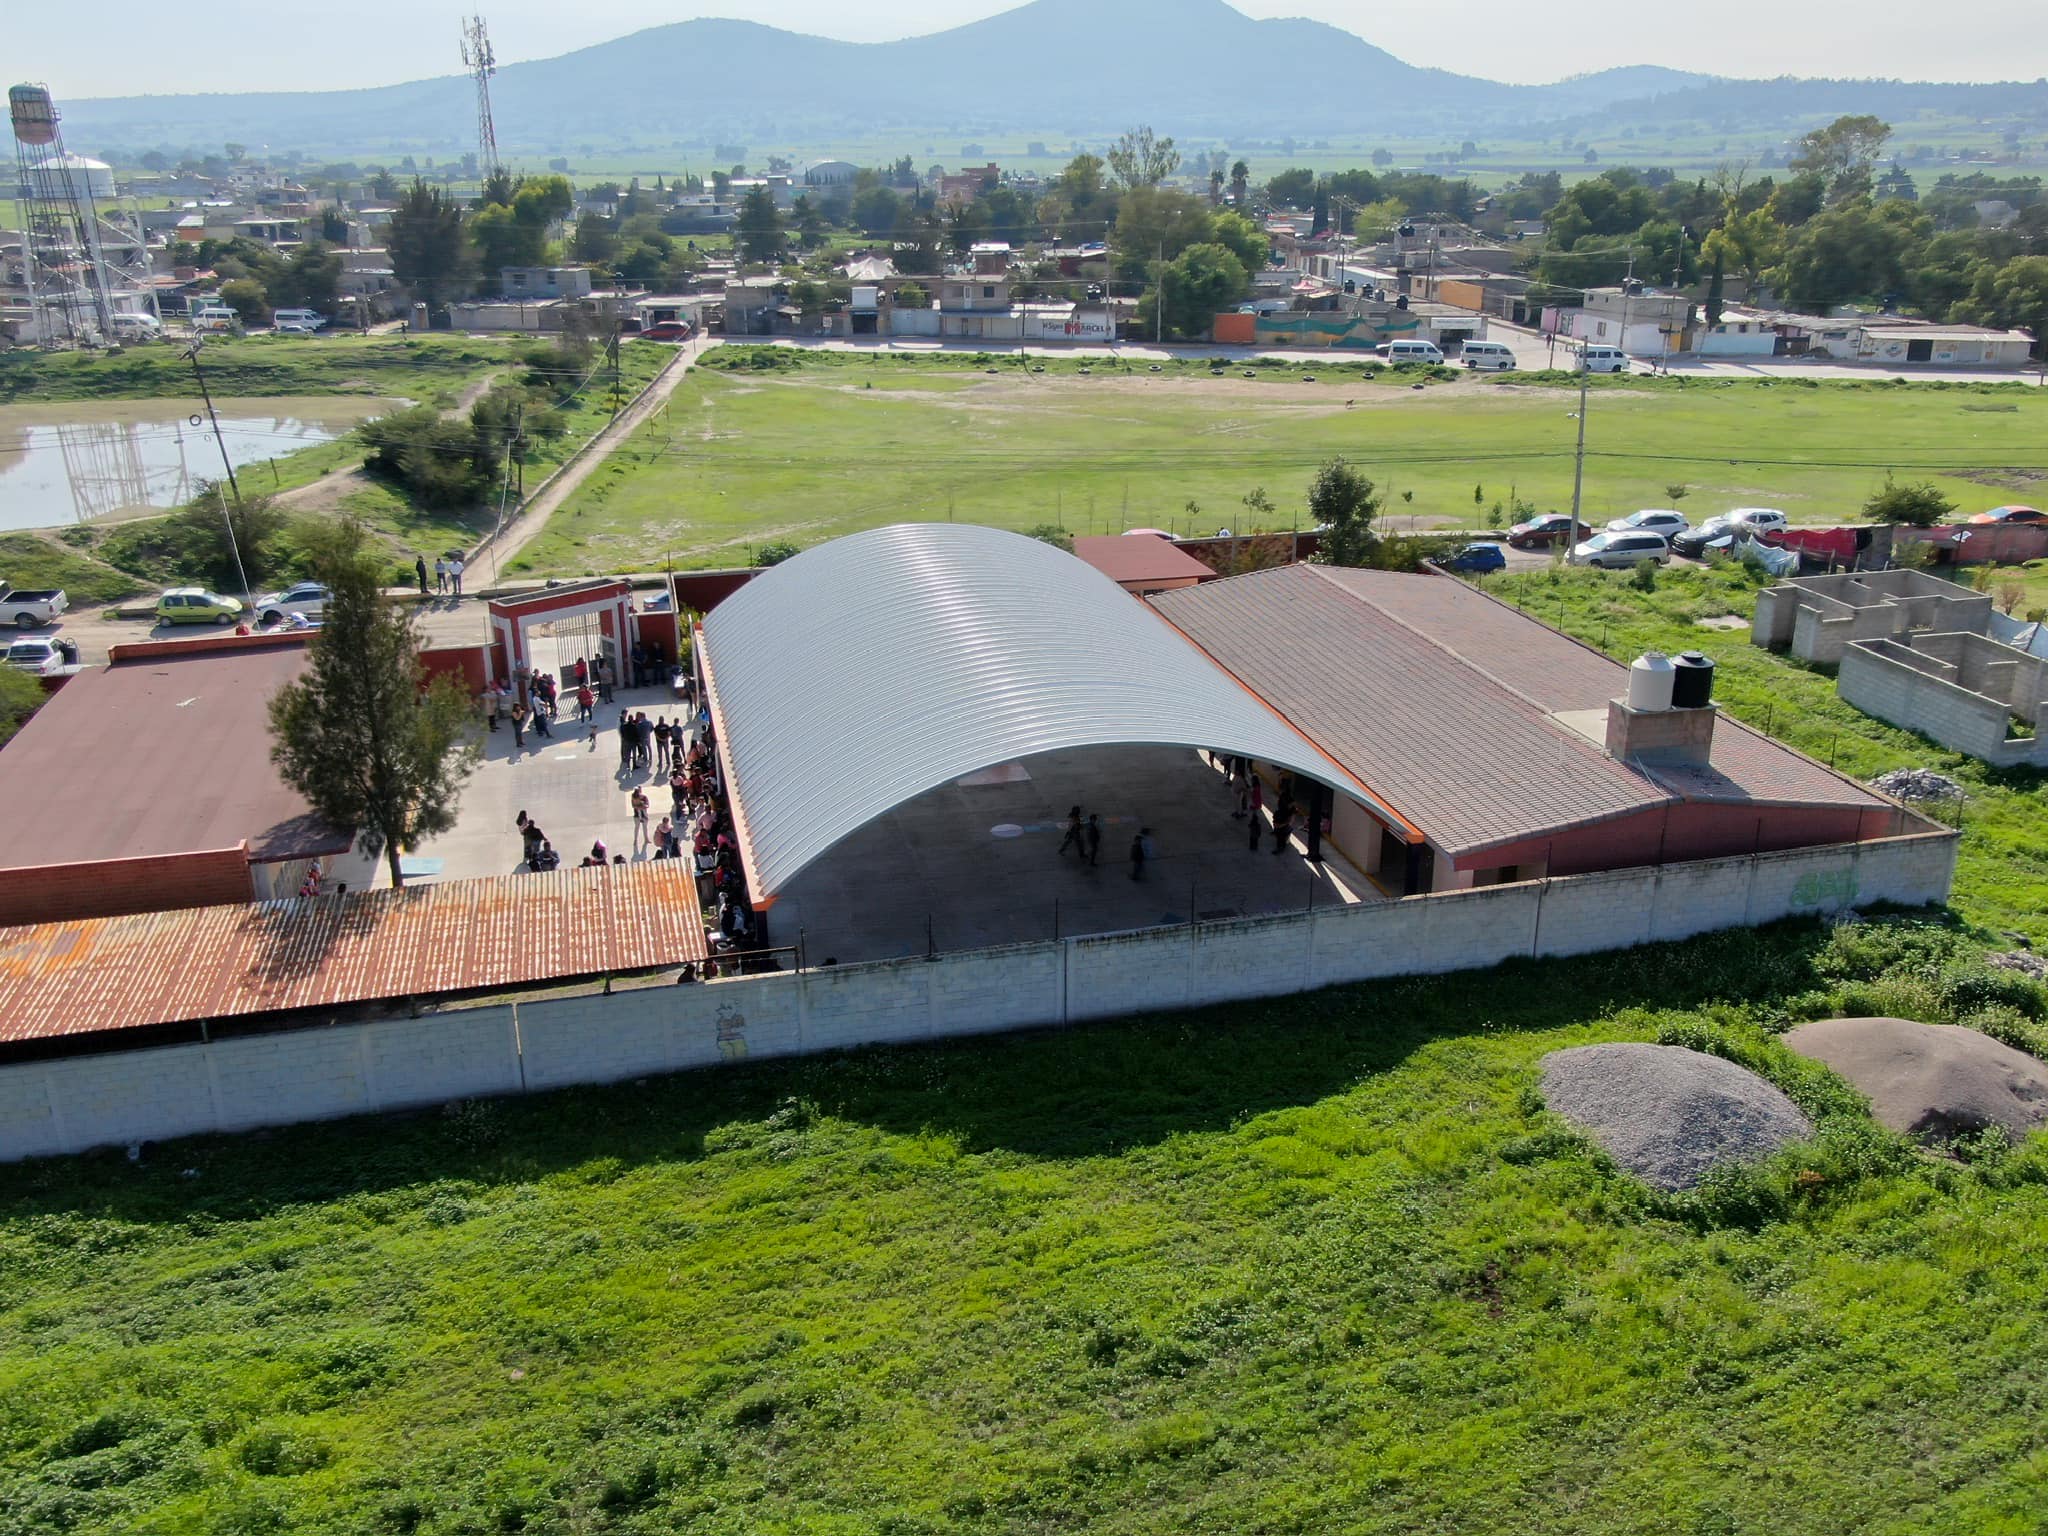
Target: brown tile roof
(104, 973)
(1140, 557)
(155, 756)
(1441, 700)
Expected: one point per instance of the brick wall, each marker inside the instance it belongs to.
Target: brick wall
(68, 1105)
(114, 887)
(1899, 686)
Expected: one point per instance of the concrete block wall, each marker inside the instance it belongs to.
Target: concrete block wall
(150, 1095)
(1906, 695)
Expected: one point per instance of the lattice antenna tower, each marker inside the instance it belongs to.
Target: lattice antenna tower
(482, 63)
(59, 226)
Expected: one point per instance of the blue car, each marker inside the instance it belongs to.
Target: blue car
(1477, 559)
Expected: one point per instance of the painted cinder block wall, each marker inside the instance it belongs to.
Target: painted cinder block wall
(71, 1104)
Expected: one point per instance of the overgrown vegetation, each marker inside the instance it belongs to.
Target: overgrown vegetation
(1309, 1265)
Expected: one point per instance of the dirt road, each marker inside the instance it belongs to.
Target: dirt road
(493, 556)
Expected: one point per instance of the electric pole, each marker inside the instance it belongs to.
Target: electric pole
(234, 486)
(1579, 462)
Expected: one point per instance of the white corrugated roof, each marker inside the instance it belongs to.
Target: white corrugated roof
(862, 673)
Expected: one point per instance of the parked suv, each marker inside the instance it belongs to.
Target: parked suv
(1651, 520)
(1612, 551)
(1760, 520)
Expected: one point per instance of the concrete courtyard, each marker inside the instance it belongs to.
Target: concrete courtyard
(977, 862)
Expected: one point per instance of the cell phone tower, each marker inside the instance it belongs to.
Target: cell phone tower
(482, 63)
(81, 267)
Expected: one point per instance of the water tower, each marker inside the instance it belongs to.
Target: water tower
(80, 265)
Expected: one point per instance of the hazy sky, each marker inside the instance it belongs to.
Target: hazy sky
(147, 46)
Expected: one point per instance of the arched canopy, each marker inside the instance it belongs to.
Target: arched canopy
(863, 673)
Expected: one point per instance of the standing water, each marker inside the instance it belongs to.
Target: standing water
(95, 461)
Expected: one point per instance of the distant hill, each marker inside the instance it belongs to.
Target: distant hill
(1051, 68)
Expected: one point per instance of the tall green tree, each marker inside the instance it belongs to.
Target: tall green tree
(361, 733)
(1917, 506)
(1842, 154)
(1193, 287)
(430, 252)
(1344, 504)
(1139, 159)
(760, 227)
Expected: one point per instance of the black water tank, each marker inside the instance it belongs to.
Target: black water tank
(1692, 683)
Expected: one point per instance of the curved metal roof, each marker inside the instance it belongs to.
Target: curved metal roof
(864, 672)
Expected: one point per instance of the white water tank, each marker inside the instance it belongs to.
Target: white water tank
(1650, 680)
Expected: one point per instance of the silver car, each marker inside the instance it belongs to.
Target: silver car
(307, 600)
(1612, 551)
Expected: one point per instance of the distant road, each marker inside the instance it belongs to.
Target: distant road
(1532, 351)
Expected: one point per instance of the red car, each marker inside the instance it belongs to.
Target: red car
(2012, 514)
(1542, 532)
(666, 330)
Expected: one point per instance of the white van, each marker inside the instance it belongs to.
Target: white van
(136, 327)
(1603, 360)
(215, 319)
(1489, 356)
(1399, 352)
(297, 322)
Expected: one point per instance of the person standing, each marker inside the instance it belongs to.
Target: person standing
(1076, 828)
(1244, 799)
(455, 576)
(519, 722)
(441, 574)
(639, 803)
(628, 738)
(661, 745)
(1283, 828)
(419, 565)
(494, 704)
(1094, 838)
(1139, 853)
(584, 701)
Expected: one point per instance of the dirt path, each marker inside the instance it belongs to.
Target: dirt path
(533, 517)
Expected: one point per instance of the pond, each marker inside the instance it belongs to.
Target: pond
(95, 461)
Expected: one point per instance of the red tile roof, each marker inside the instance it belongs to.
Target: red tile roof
(97, 974)
(1442, 700)
(1135, 558)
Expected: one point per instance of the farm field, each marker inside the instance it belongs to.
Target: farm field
(766, 444)
(1310, 1265)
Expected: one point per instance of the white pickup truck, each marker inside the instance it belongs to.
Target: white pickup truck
(30, 610)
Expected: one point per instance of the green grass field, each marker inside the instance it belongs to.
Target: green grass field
(770, 444)
(1309, 1266)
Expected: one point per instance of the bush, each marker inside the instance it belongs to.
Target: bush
(775, 553)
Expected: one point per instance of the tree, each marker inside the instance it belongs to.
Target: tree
(361, 733)
(875, 210)
(1851, 252)
(1193, 287)
(760, 227)
(594, 241)
(1140, 160)
(1842, 154)
(1344, 504)
(502, 240)
(1241, 185)
(311, 279)
(245, 296)
(1154, 221)
(1916, 506)
(809, 220)
(775, 552)
(1293, 188)
(1053, 534)
(912, 296)
(430, 253)
(2015, 294)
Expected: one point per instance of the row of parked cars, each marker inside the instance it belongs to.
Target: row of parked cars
(1654, 534)
(196, 605)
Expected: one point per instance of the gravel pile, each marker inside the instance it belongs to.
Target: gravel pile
(1931, 1080)
(1667, 1114)
(2019, 960)
(1917, 784)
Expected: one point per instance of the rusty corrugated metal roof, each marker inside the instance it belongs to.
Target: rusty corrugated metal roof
(97, 974)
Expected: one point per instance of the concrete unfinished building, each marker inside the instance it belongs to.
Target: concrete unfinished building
(1963, 690)
(1817, 618)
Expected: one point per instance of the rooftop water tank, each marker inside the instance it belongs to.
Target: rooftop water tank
(1692, 681)
(1650, 679)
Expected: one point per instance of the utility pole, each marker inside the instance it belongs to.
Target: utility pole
(1579, 462)
(226, 516)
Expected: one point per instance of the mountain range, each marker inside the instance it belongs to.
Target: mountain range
(1056, 69)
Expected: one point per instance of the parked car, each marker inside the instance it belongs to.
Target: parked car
(1760, 520)
(1603, 360)
(1651, 520)
(30, 610)
(196, 605)
(1477, 558)
(42, 656)
(1695, 542)
(216, 320)
(666, 330)
(1544, 531)
(1489, 356)
(1619, 551)
(297, 322)
(1400, 352)
(307, 600)
(2012, 514)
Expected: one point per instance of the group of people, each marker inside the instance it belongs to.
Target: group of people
(447, 575)
(1250, 791)
(1084, 836)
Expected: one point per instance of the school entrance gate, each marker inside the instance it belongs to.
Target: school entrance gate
(585, 619)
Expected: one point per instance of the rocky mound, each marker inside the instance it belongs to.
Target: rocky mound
(1667, 1114)
(1931, 1080)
